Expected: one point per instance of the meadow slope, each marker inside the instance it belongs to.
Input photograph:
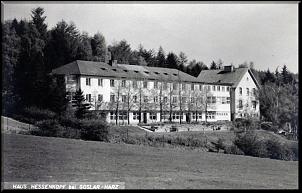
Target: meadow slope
(31, 158)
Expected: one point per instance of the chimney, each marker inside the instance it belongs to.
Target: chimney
(229, 68)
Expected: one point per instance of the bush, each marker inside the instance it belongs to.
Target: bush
(49, 128)
(94, 130)
(277, 150)
(37, 114)
(233, 149)
(250, 144)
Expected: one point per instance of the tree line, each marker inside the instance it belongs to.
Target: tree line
(30, 51)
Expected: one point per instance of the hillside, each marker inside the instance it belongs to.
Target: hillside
(32, 158)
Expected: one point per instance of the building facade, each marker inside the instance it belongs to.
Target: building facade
(129, 94)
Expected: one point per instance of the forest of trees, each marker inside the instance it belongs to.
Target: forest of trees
(30, 51)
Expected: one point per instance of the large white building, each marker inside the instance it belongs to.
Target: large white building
(153, 94)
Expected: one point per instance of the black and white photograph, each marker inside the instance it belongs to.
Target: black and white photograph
(149, 95)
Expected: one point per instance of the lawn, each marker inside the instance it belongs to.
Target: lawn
(31, 158)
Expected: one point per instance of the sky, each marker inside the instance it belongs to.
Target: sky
(265, 33)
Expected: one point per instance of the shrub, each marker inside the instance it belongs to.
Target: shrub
(220, 144)
(49, 128)
(37, 114)
(283, 151)
(233, 149)
(94, 130)
(250, 144)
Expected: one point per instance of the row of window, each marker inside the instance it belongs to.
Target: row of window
(210, 99)
(175, 115)
(254, 104)
(89, 99)
(165, 85)
(248, 91)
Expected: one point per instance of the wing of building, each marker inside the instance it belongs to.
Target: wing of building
(132, 94)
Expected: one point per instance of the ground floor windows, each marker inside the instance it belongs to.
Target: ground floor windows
(121, 115)
(199, 116)
(112, 115)
(153, 116)
(211, 114)
(177, 116)
(136, 115)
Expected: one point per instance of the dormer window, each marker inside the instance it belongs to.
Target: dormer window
(165, 73)
(156, 72)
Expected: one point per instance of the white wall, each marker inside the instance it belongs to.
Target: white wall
(106, 90)
(246, 82)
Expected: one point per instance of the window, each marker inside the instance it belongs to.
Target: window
(153, 116)
(145, 99)
(183, 86)
(228, 89)
(165, 99)
(214, 88)
(174, 99)
(209, 88)
(240, 104)
(155, 84)
(112, 115)
(156, 99)
(165, 86)
(240, 90)
(145, 84)
(123, 115)
(111, 83)
(193, 116)
(254, 103)
(211, 114)
(254, 91)
(88, 81)
(88, 97)
(228, 100)
(211, 99)
(112, 98)
(176, 116)
(174, 86)
(200, 87)
(124, 98)
(135, 99)
(222, 89)
(199, 115)
(100, 97)
(223, 100)
(192, 86)
(123, 83)
(136, 116)
(100, 82)
(218, 88)
(247, 92)
(134, 84)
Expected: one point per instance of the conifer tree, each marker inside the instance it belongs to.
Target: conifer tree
(81, 106)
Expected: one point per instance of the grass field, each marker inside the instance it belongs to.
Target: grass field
(31, 158)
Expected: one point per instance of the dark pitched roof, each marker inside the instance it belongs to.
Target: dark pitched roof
(122, 71)
(220, 76)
